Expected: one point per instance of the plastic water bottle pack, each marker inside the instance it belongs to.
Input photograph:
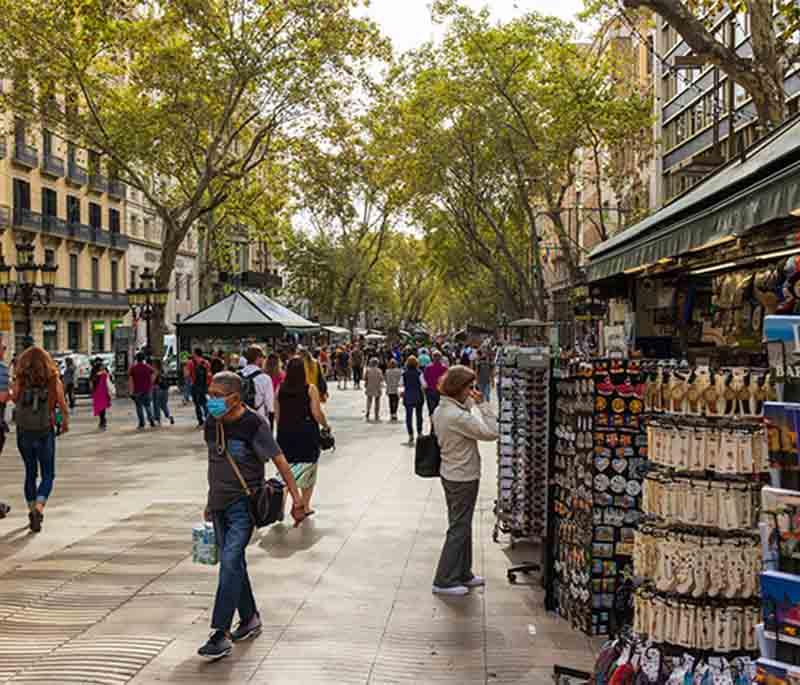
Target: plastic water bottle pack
(204, 545)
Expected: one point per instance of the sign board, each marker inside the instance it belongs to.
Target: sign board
(782, 335)
(98, 326)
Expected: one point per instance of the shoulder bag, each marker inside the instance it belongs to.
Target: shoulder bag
(427, 456)
(266, 502)
(326, 440)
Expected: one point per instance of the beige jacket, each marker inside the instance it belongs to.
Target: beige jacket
(458, 431)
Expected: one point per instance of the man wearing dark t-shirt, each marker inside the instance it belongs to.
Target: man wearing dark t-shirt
(140, 385)
(247, 438)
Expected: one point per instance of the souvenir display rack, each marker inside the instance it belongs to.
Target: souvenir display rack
(600, 458)
(523, 387)
(697, 554)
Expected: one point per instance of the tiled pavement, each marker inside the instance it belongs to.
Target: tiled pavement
(108, 593)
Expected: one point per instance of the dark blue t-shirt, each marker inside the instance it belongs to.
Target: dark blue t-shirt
(412, 387)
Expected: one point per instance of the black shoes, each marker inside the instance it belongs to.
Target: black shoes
(172, 420)
(35, 518)
(217, 647)
(248, 631)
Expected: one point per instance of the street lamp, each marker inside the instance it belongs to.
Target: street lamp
(26, 289)
(145, 300)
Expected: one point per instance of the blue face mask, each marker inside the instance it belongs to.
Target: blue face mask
(217, 407)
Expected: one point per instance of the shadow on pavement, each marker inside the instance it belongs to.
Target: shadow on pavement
(282, 541)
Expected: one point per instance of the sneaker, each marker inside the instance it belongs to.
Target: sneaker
(475, 581)
(153, 423)
(456, 590)
(247, 630)
(218, 646)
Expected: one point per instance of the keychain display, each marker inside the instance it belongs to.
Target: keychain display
(524, 444)
(600, 458)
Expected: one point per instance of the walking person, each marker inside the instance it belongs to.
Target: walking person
(37, 393)
(458, 430)
(373, 388)
(187, 380)
(342, 368)
(101, 397)
(274, 369)
(413, 397)
(161, 393)
(433, 374)
(4, 397)
(314, 374)
(357, 364)
(485, 370)
(244, 435)
(69, 381)
(200, 372)
(257, 390)
(299, 416)
(393, 377)
(140, 386)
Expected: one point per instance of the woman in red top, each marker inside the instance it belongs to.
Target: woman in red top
(273, 368)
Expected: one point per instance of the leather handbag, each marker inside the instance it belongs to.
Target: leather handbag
(326, 440)
(428, 456)
(266, 503)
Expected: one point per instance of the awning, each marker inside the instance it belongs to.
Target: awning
(739, 197)
(336, 330)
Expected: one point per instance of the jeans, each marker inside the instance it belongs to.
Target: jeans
(38, 454)
(143, 406)
(394, 402)
(432, 396)
(358, 374)
(410, 409)
(187, 391)
(233, 529)
(160, 403)
(69, 392)
(455, 563)
(377, 402)
(200, 404)
(485, 390)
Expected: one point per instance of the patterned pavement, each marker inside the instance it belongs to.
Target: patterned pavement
(108, 592)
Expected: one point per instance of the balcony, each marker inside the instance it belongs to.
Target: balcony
(52, 166)
(54, 226)
(5, 216)
(99, 236)
(89, 298)
(98, 183)
(118, 240)
(77, 174)
(26, 155)
(117, 189)
(25, 218)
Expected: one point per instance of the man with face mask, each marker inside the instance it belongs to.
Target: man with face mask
(246, 436)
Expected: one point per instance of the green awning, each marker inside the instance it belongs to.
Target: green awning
(742, 195)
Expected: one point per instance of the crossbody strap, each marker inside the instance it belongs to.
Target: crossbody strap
(222, 443)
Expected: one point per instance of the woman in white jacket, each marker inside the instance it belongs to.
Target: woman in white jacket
(458, 430)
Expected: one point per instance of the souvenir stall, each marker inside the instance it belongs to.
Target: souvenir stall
(599, 462)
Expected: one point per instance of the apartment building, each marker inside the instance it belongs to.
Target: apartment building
(144, 252)
(698, 104)
(64, 201)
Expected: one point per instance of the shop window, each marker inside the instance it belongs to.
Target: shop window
(98, 336)
(95, 274)
(74, 335)
(73, 271)
(50, 336)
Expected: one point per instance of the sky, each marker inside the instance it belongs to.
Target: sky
(408, 22)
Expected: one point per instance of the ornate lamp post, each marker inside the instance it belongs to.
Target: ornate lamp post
(146, 299)
(27, 289)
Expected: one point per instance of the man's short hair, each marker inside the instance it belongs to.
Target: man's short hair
(253, 354)
(230, 381)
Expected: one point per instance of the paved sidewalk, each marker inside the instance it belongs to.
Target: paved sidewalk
(108, 593)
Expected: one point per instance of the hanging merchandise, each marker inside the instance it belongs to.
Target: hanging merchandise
(523, 447)
(600, 457)
(697, 554)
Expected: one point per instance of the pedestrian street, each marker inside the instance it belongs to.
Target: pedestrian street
(108, 592)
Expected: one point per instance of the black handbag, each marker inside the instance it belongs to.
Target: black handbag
(266, 503)
(326, 440)
(428, 456)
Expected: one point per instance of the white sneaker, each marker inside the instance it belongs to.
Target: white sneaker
(476, 581)
(458, 590)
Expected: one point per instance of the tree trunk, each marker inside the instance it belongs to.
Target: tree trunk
(169, 253)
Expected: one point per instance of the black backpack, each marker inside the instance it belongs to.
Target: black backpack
(200, 377)
(33, 410)
(249, 389)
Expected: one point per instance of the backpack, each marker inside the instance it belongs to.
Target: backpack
(33, 410)
(200, 376)
(249, 389)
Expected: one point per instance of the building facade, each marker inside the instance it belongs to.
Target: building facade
(61, 199)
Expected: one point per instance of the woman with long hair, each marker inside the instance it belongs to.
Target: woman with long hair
(299, 415)
(413, 397)
(37, 393)
(101, 397)
(274, 369)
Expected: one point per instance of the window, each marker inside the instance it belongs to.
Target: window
(19, 131)
(188, 287)
(147, 235)
(113, 221)
(94, 162)
(48, 148)
(739, 95)
(50, 336)
(95, 273)
(177, 287)
(22, 194)
(133, 223)
(73, 271)
(74, 335)
(49, 202)
(133, 277)
(114, 276)
(73, 209)
(72, 154)
(49, 257)
(95, 215)
(20, 332)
